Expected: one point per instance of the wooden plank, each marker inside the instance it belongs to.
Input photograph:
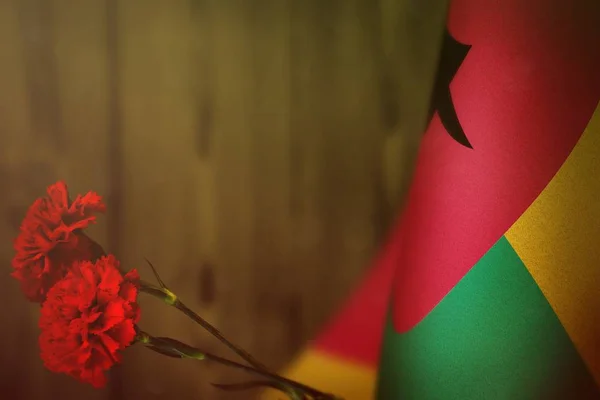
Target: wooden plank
(271, 286)
(81, 68)
(232, 160)
(81, 54)
(163, 186)
(52, 115)
(338, 139)
(18, 333)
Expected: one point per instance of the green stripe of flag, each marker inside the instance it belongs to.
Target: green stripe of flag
(494, 336)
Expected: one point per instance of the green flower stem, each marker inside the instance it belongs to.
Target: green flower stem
(163, 293)
(171, 299)
(174, 348)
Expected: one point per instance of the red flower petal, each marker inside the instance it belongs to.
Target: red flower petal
(50, 239)
(83, 336)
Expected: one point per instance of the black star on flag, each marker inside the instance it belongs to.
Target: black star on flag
(451, 58)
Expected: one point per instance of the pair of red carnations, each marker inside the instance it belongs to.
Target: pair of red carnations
(89, 307)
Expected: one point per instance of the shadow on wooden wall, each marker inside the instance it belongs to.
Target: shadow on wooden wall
(249, 149)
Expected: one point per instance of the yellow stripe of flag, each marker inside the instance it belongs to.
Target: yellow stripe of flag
(558, 239)
(330, 374)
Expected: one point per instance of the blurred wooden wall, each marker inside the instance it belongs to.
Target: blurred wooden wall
(250, 149)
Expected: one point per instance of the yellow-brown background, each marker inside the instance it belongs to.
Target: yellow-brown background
(250, 149)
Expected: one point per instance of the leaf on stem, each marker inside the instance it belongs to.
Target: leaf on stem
(156, 275)
(165, 351)
(184, 350)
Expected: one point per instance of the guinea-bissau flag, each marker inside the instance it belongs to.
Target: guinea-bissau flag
(493, 268)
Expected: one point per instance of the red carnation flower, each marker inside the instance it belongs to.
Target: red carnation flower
(88, 317)
(51, 239)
